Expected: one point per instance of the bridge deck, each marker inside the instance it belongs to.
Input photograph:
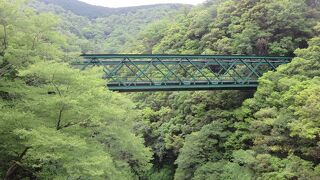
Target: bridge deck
(132, 73)
(177, 86)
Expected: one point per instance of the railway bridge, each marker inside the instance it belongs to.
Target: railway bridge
(161, 72)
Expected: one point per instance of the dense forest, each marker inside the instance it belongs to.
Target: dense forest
(57, 122)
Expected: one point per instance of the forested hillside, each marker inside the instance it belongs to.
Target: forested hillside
(107, 33)
(57, 122)
(92, 12)
(218, 135)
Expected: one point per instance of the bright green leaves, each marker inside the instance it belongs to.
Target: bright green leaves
(125, 148)
(223, 170)
(306, 108)
(270, 167)
(65, 156)
(74, 93)
(63, 91)
(8, 19)
(27, 37)
(284, 117)
(248, 165)
(57, 122)
(71, 125)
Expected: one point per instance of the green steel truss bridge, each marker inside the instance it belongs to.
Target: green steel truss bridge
(134, 73)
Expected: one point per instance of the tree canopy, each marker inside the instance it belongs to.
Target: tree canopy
(56, 121)
(59, 122)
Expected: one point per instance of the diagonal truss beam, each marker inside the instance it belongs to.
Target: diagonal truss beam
(131, 72)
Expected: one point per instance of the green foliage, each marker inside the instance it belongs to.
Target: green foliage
(286, 106)
(68, 156)
(61, 123)
(173, 116)
(112, 30)
(57, 122)
(269, 167)
(201, 147)
(72, 126)
(284, 118)
(210, 138)
(240, 27)
(223, 170)
(92, 11)
(164, 173)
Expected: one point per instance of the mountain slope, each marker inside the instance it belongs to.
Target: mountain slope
(92, 11)
(105, 30)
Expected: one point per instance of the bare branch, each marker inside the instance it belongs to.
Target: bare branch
(16, 165)
(55, 86)
(70, 124)
(58, 126)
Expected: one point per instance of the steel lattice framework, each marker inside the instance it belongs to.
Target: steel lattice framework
(131, 73)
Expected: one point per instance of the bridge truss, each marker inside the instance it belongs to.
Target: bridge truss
(132, 73)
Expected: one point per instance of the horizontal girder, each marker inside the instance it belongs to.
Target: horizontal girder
(176, 56)
(131, 72)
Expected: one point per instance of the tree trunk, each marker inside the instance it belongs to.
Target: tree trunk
(16, 165)
(5, 40)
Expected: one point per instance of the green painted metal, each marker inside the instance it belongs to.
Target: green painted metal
(162, 72)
